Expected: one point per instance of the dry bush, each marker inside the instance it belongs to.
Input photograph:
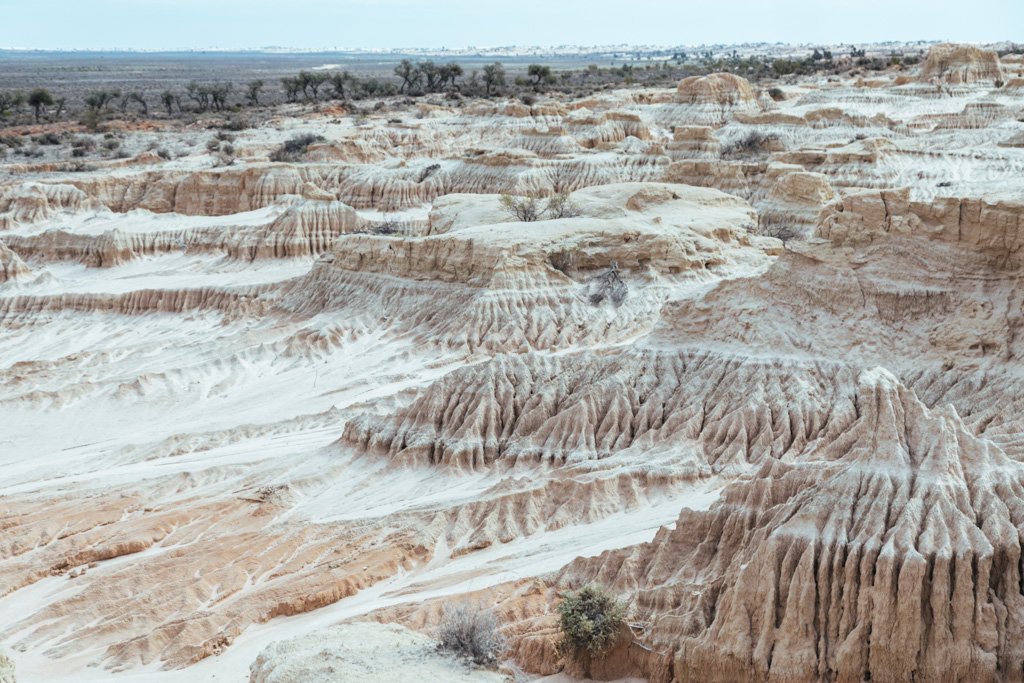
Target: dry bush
(471, 631)
(563, 260)
(428, 171)
(590, 620)
(387, 225)
(560, 206)
(529, 209)
(608, 286)
(751, 143)
(523, 209)
(295, 148)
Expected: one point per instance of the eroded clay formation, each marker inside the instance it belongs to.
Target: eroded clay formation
(757, 369)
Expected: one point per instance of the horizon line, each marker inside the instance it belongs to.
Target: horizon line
(492, 48)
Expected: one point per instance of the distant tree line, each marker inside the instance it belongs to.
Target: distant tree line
(426, 77)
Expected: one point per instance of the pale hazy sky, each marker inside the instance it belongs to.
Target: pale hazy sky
(154, 24)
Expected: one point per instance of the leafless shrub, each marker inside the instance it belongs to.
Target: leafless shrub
(79, 166)
(428, 171)
(563, 260)
(387, 225)
(529, 209)
(608, 286)
(295, 148)
(471, 631)
(524, 209)
(47, 139)
(751, 143)
(224, 157)
(267, 493)
(560, 206)
(780, 230)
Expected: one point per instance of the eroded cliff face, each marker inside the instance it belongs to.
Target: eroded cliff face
(961, 64)
(898, 541)
(758, 371)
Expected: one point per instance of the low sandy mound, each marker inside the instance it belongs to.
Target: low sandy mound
(693, 142)
(307, 227)
(31, 203)
(900, 282)
(600, 130)
(707, 101)
(721, 89)
(547, 143)
(293, 227)
(366, 652)
(794, 201)
(511, 286)
(961, 65)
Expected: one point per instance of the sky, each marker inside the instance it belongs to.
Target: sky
(198, 24)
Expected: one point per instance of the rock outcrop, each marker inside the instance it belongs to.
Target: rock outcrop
(710, 100)
(718, 89)
(961, 65)
(11, 265)
(904, 528)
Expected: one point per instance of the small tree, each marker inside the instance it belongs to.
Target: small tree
(339, 85)
(10, 102)
(494, 78)
(449, 73)
(310, 82)
(608, 286)
(219, 93)
(407, 71)
(540, 73)
(138, 99)
(168, 99)
(292, 88)
(431, 73)
(471, 631)
(590, 620)
(101, 99)
(200, 94)
(39, 99)
(252, 92)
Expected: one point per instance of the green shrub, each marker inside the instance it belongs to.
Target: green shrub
(590, 620)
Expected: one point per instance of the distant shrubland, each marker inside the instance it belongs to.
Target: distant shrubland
(423, 78)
